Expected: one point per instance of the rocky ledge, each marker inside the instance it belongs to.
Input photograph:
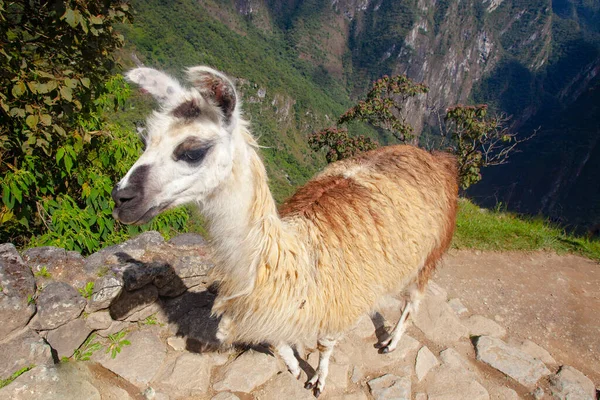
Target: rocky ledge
(133, 322)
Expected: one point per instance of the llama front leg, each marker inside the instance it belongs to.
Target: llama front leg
(412, 306)
(287, 355)
(317, 382)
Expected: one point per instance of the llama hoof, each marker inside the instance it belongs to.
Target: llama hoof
(308, 385)
(385, 350)
(317, 393)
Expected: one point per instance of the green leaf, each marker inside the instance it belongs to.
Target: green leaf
(69, 17)
(31, 121)
(46, 119)
(85, 82)
(66, 93)
(59, 154)
(68, 163)
(18, 89)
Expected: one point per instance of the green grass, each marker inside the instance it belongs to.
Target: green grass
(496, 230)
(4, 382)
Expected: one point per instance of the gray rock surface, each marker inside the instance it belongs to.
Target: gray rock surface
(225, 396)
(67, 338)
(98, 320)
(426, 360)
(284, 386)
(106, 289)
(62, 265)
(236, 377)
(188, 241)
(139, 362)
(478, 325)
(518, 365)
(25, 349)
(458, 307)
(129, 303)
(17, 285)
(389, 386)
(502, 393)
(57, 304)
(533, 349)
(570, 384)
(449, 384)
(188, 376)
(439, 322)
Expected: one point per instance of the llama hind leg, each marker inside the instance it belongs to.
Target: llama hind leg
(287, 355)
(412, 306)
(317, 382)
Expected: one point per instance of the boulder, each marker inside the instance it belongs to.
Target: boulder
(129, 303)
(68, 337)
(426, 360)
(248, 371)
(438, 321)
(25, 349)
(106, 289)
(17, 288)
(57, 304)
(390, 387)
(570, 384)
(61, 265)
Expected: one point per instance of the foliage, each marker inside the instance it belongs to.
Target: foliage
(338, 145)
(383, 106)
(43, 273)
(87, 290)
(478, 141)
(87, 349)
(483, 229)
(115, 343)
(15, 375)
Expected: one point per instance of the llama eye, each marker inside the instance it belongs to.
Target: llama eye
(194, 155)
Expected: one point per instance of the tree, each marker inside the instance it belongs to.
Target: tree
(478, 140)
(338, 145)
(383, 106)
(58, 159)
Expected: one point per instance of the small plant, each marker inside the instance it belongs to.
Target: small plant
(102, 271)
(30, 299)
(4, 382)
(43, 273)
(150, 320)
(115, 342)
(87, 290)
(87, 349)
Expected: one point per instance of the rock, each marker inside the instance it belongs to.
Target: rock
(141, 315)
(138, 362)
(538, 393)
(177, 343)
(61, 265)
(188, 241)
(68, 381)
(99, 320)
(129, 303)
(447, 384)
(454, 360)
(68, 337)
(17, 286)
(247, 372)
(388, 387)
(25, 349)
(357, 374)
(502, 393)
(458, 307)
(533, 350)
(435, 290)
(136, 275)
(106, 289)
(425, 361)
(284, 386)
(570, 384)
(132, 249)
(478, 325)
(57, 304)
(225, 396)
(338, 376)
(421, 396)
(518, 365)
(364, 328)
(438, 322)
(200, 326)
(189, 376)
(115, 326)
(351, 396)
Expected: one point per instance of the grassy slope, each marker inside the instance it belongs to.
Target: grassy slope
(483, 229)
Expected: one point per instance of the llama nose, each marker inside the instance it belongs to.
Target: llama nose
(124, 195)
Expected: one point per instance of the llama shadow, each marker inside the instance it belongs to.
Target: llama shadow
(184, 304)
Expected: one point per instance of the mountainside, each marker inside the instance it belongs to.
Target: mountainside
(302, 61)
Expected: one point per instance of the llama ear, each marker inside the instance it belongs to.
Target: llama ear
(166, 90)
(215, 86)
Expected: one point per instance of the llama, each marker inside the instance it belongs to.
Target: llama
(363, 228)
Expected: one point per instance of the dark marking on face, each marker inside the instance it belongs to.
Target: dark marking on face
(187, 110)
(192, 150)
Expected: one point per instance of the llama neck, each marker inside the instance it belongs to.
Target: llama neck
(243, 222)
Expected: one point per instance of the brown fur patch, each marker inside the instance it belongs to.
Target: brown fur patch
(187, 110)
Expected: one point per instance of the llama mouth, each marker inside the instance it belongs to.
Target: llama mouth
(145, 218)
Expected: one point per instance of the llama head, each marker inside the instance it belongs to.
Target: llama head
(189, 143)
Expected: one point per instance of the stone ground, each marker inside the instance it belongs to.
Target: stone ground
(488, 328)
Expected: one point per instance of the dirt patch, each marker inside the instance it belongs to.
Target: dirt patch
(553, 300)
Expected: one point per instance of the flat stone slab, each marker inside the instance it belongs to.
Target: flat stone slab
(570, 384)
(458, 307)
(68, 337)
(390, 387)
(25, 349)
(438, 322)
(448, 383)
(518, 365)
(189, 375)
(426, 360)
(478, 325)
(284, 386)
(139, 362)
(248, 371)
(534, 350)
